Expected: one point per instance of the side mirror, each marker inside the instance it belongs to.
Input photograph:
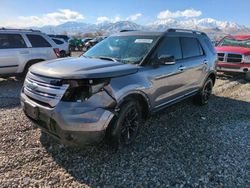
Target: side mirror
(166, 60)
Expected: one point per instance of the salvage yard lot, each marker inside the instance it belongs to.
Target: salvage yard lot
(184, 145)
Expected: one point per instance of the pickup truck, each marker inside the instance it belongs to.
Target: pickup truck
(234, 54)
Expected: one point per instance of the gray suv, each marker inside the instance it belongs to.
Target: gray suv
(113, 87)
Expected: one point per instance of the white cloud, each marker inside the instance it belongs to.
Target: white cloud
(134, 17)
(54, 18)
(116, 19)
(102, 19)
(188, 13)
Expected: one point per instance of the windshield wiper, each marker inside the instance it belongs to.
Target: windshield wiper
(106, 58)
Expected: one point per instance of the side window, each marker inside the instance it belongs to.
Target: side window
(209, 44)
(38, 41)
(170, 46)
(57, 41)
(11, 41)
(191, 47)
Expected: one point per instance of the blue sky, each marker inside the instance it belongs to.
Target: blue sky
(41, 12)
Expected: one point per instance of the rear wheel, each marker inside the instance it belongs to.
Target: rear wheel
(63, 54)
(203, 96)
(124, 128)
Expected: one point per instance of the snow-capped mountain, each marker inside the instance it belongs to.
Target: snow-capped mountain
(209, 25)
(200, 24)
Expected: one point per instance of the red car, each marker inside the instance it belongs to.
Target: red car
(234, 54)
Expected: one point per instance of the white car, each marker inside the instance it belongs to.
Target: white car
(19, 49)
(63, 46)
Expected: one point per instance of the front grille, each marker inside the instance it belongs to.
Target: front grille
(234, 58)
(43, 90)
(221, 56)
(230, 57)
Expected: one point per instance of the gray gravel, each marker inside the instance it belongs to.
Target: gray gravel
(183, 146)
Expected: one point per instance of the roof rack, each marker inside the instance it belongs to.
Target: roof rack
(127, 30)
(186, 30)
(26, 30)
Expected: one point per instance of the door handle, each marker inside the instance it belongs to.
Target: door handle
(24, 52)
(182, 68)
(205, 62)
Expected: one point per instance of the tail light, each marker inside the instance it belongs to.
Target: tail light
(57, 52)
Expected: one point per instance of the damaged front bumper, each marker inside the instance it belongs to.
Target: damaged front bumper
(77, 123)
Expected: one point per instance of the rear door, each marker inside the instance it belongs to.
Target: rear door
(41, 48)
(12, 49)
(193, 64)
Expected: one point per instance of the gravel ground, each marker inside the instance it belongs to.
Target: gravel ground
(183, 146)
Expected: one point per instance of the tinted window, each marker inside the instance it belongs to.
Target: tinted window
(191, 47)
(11, 41)
(38, 41)
(57, 41)
(209, 44)
(170, 46)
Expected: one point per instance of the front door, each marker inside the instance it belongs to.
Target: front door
(167, 80)
(11, 47)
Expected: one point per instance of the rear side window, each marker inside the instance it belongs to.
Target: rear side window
(11, 41)
(191, 47)
(209, 44)
(170, 46)
(57, 41)
(38, 41)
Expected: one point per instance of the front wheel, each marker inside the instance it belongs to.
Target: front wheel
(124, 128)
(203, 96)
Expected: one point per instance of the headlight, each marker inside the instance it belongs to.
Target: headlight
(247, 59)
(81, 90)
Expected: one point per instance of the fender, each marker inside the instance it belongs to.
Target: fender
(132, 93)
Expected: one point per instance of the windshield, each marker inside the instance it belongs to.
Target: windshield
(126, 49)
(234, 42)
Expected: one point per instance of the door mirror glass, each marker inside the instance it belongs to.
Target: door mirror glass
(166, 60)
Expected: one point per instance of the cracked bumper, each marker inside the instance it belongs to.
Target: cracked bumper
(69, 122)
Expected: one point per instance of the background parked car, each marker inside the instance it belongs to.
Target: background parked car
(93, 42)
(77, 44)
(19, 49)
(234, 54)
(63, 47)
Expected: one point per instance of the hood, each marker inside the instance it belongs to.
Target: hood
(233, 49)
(81, 68)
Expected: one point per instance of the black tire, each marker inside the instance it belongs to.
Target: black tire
(87, 48)
(124, 128)
(247, 76)
(63, 54)
(26, 69)
(203, 96)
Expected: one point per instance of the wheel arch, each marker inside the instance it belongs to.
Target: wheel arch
(141, 98)
(31, 62)
(212, 75)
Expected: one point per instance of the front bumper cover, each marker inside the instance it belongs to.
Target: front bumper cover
(71, 122)
(233, 67)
